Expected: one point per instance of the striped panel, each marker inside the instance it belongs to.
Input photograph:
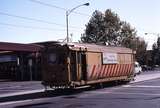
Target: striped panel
(120, 70)
(117, 71)
(123, 69)
(128, 70)
(110, 70)
(97, 71)
(131, 69)
(106, 71)
(101, 70)
(111, 73)
(113, 67)
(93, 70)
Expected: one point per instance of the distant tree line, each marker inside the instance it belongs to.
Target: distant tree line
(108, 29)
(155, 58)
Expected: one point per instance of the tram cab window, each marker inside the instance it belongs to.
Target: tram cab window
(55, 58)
(52, 58)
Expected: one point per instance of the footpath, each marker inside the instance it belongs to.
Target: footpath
(147, 76)
(14, 88)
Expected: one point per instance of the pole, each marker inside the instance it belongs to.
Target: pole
(67, 14)
(67, 26)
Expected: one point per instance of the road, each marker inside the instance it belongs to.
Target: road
(143, 94)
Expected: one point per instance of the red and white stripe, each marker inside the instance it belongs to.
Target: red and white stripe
(109, 70)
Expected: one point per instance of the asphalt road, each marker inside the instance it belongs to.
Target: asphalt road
(144, 94)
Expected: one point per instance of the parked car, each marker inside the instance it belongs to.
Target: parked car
(137, 68)
(146, 68)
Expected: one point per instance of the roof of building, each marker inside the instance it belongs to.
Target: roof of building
(6, 46)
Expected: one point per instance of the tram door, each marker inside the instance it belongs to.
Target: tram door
(83, 66)
(78, 66)
(73, 67)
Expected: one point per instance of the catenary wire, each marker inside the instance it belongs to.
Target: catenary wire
(37, 20)
(54, 6)
(31, 27)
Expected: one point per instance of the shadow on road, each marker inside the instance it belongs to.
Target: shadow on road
(55, 93)
(45, 94)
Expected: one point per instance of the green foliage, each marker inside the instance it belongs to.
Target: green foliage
(156, 52)
(141, 52)
(108, 29)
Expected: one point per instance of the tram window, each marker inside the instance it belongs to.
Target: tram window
(56, 58)
(52, 58)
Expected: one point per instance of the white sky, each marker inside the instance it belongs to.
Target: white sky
(142, 14)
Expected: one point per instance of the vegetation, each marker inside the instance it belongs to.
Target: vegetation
(108, 29)
(156, 52)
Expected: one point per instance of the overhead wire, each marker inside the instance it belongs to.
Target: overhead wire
(31, 27)
(28, 18)
(46, 4)
(54, 6)
(37, 20)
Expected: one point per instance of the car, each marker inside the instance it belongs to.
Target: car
(137, 68)
(147, 68)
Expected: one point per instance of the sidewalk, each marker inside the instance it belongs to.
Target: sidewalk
(20, 88)
(145, 77)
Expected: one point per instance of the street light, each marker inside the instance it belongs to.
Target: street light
(68, 13)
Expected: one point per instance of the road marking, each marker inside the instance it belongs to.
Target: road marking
(140, 86)
(117, 92)
(126, 85)
(147, 94)
(114, 91)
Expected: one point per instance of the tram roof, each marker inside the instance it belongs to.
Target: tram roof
(99, 48)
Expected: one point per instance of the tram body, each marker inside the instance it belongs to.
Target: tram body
(75, 64)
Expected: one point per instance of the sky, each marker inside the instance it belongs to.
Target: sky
(29, 21)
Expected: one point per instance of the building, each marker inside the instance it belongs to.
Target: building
(20, 61)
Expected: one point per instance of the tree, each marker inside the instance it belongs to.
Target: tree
(141, 53)
(156, 52)
(128, 36)
(95, 28)
(108, 29)
(112, 25)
